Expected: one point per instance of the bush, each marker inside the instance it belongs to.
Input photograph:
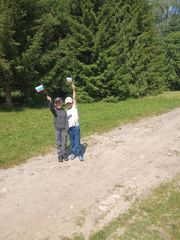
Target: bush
(83, 97)
(111, 99)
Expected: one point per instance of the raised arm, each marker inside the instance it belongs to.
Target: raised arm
(51, 106)
(49, 98)
(74, 93)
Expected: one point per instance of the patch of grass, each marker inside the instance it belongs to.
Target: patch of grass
(154, 218)
(157, 217)
(78, 237)
(24, 134)
(27, 132)
(100, 117)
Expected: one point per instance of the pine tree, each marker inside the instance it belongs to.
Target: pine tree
(172, 47)
(8, 48)
(168, 21)
(105, 38)
(135, 63)
(16, 28)
(66, 39)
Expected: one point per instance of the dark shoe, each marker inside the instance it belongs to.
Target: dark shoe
(65, 158)
(60, 159)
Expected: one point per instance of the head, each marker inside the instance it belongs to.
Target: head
(69, 102)
(58, 102)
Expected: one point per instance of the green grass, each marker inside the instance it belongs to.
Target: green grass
(155, 218)
(100, 117)
(27, 132)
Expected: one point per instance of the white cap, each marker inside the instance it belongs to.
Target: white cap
(68, 100)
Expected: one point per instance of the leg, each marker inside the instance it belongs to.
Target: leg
(77, 143)
(63, 144)
(72, 141)
(58, 142)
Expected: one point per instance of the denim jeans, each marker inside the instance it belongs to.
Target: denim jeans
(61, 137)
(74, 136)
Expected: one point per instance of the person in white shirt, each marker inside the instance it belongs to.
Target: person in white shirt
(74, 128)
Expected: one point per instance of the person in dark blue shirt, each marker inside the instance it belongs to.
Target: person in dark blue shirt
(60, 125)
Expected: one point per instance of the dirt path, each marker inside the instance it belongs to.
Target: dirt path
(44, 199)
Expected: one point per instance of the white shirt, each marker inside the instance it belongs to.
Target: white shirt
(72, 115)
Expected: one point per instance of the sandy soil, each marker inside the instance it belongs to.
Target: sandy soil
(44, 199)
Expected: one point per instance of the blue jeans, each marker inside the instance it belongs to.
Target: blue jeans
(74, 136)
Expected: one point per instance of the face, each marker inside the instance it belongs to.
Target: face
(58, 104)
(69, 105)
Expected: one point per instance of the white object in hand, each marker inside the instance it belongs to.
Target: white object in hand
(69, 79)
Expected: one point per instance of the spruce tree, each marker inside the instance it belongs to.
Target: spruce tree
(17, 21)
(167, 15)
(135, 63)
(66, 38)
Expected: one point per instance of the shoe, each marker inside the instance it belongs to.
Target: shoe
(65, 158)
(80, 158)
(60, 159)
(71, 157)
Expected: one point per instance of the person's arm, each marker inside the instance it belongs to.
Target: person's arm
(74, 93)
(51, 106)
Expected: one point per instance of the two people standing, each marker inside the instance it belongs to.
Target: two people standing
(66, 122)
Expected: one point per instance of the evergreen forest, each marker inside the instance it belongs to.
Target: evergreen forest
(113, 49)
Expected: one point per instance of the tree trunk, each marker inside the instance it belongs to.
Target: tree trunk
(8, 95)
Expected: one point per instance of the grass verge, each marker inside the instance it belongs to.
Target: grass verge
(27, 132)
(155, 218)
